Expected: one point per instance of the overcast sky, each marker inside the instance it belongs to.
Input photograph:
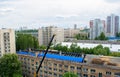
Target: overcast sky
(62, 13)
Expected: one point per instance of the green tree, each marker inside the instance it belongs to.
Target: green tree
(73, 47)
(58, 47)
(10, 66)
(81, 37)
(101, 37)
(118, 34)
(100, 50)
(24, 41)
(42, 47)
(70, 74)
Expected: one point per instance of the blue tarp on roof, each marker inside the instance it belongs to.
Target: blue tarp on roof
(26, 53)
(61, 57)
(114, 38)
(53, 56)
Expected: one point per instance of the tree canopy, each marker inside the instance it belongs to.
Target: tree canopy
(98, 50)
(24, 41)
(10, 66)
(81, 37)
(70, 74)
(118, 34)
(101, 37)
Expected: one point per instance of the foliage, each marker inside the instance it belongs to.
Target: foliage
(118, 34)
(59, 47)
(26, 31)
(70, 74)
(117, 54)
(81, 37)
(24, 41)
(98, 50)
(42, 47)
(10, 66)
(101, 37)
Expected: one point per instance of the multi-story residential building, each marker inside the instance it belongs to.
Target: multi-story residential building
(96, 27)
(112, 25)
(7, 41)
(45, 33)
(70, 33)
(56, 65)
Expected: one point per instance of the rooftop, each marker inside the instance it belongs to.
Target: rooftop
(53, 56)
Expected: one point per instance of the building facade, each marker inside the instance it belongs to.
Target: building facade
(7, 41)
(56, 66)
(96, 27)
(112, 25)
(45, 34)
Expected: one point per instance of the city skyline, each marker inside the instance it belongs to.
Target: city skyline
(62, 13)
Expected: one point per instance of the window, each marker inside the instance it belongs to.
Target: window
(108, 73)
(45, 72)
(50, 68)
(60, 70)
(49, 64)
(32, 60)
(92, 76)
(50, 74)
(92, 70)
(32, 64)
(117, 74)
(100, 75)
(32, 68)
(66, 66)
(60, 65)
(55, 64)
(36, 63)
(60, 75)
(79, 74)
(65, 71)
(85, 75)
(78, 68)
(85, 70)
(55, 69)
(72, 67)
(55, 75)
(45, 67)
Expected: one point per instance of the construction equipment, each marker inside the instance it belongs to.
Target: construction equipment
(36, 73)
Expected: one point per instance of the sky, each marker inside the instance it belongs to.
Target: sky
(61, 13)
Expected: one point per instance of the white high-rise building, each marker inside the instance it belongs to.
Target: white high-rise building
(7, 41)
(96, 27)
(45, 34)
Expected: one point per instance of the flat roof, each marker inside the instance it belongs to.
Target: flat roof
(53, 56)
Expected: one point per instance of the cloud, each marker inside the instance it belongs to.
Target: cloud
(113, 1)
(58, 12)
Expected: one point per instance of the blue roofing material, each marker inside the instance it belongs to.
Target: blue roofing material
(26, 53)
(114, 38)
(53, 56)
(61, 57)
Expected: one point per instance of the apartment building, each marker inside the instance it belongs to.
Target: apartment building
(96, 27)
(56, 65)
(112, 25)
(7, 41)
(45, 34)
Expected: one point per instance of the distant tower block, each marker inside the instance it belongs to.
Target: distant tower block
(75, 26)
